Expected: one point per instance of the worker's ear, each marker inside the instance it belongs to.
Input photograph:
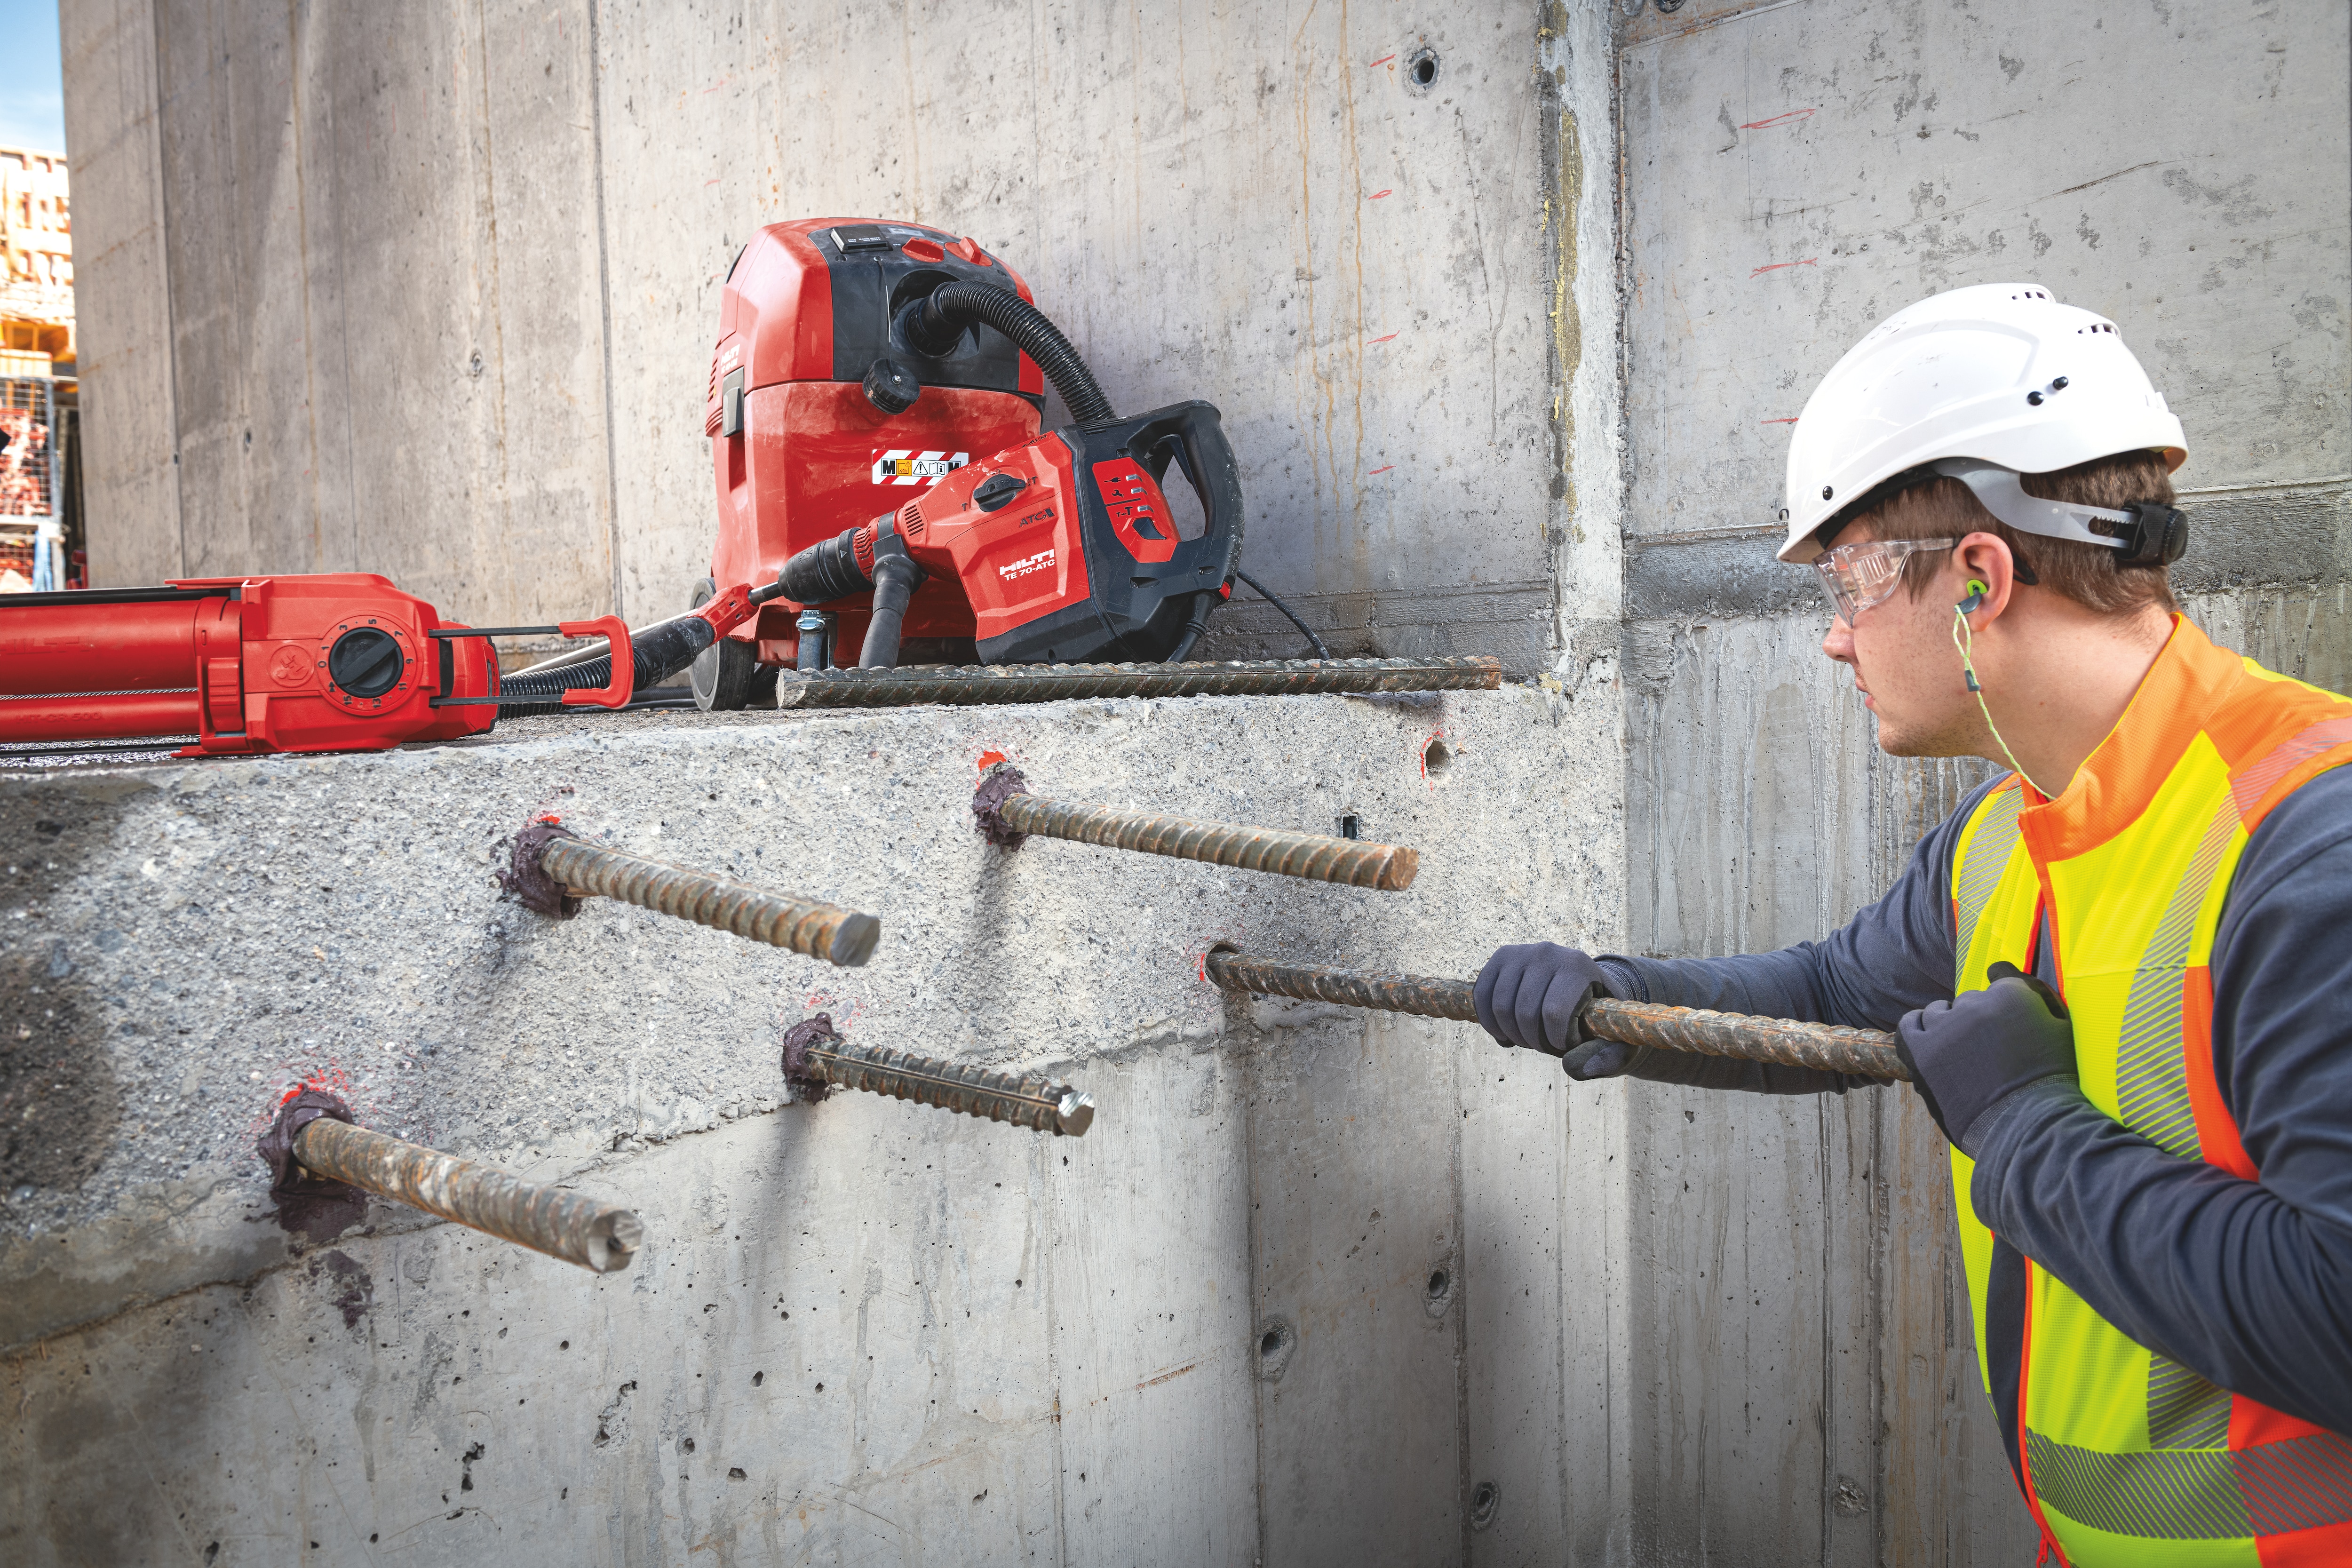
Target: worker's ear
(1989, 573)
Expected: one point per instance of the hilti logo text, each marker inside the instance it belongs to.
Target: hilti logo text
(1027, 565)
(907, 467)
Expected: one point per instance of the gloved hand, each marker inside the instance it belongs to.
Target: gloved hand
(1529, 995)
(1969, 1054)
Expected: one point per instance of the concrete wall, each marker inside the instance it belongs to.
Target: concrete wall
(431, 291)
(455, 269)
(860, 1331)
(1791, 174)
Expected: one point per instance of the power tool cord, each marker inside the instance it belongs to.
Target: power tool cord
(1260, 591)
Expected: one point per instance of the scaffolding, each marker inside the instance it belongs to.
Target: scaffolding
(39, 406)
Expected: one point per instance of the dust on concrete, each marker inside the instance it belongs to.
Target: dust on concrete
(60, 1102)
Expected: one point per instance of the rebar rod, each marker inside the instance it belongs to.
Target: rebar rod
(574, 1226)
(1007, 814)
(821, 930)
(816, 1060)
(962, 685)
(1831, 1047)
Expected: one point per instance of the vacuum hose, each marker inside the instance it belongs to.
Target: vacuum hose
(933, 325)
(662, 651)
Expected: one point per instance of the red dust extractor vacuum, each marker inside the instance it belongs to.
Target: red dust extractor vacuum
(874, 409)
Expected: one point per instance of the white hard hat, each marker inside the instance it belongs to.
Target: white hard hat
(1984, 383)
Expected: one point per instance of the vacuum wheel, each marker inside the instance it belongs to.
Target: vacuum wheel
(726, 675)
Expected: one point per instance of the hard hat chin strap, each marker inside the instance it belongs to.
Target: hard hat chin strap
(2145, 532)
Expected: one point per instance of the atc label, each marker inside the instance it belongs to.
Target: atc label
(906, 466)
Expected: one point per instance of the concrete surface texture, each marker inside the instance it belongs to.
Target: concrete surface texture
(520, 218)
(1508, 358)
(1303, 1289)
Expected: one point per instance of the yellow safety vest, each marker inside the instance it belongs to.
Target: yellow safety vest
(2126, 1457)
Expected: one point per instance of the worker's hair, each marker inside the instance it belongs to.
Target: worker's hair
(2089, 575)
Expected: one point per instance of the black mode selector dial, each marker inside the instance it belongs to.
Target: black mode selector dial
(996, 491)
(365, 662)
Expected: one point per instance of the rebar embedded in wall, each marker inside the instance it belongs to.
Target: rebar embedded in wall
(549, 861)
(1832, 1047)
(817, 1060)
(964, 685)
(1008, 814)
(574, 1226)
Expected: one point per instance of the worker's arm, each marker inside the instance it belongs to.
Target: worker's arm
(1892, 957)
(2247, 1283)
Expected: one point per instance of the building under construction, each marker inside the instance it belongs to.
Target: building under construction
(39, 525)
(908, 1109)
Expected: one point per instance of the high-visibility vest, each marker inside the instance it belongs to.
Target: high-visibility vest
(2127, 1458)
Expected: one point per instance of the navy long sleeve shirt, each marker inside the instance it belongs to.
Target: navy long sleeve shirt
(2248, 1284)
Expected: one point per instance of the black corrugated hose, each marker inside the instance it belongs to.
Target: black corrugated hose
(933, 326)
(661, 652)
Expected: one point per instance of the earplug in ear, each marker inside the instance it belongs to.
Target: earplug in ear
(1975, 601)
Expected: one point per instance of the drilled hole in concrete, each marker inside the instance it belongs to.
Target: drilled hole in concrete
(1437, 758)
(1421, 69)
(1275, 1343)
(1351, 825)
(1440, 1282)
(1485, 1499)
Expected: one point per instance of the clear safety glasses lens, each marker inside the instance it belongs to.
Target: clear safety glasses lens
(1856, 576)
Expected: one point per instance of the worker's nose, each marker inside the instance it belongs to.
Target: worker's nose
(1837, 643)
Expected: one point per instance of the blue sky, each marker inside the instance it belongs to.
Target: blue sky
(32, 91)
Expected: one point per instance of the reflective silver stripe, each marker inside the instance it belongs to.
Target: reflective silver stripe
(2170, 1494)
(2198, 1494)
(1983, 860)
(2184, 1411)
(2151, 1078)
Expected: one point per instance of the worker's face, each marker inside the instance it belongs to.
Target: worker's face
(1906, 666)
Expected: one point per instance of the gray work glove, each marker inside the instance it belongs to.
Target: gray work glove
(1968, 1055)
(1528, 995)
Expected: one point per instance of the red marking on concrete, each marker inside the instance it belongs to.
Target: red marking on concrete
(1808, 261)
(989, 759)
(1776, 421)
(1383, 468)
(1384, 59)
(1792, 116)
(1376, 195)
(1391, 338)
(551, 819)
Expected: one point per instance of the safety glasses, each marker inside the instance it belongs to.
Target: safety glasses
(1856, 576)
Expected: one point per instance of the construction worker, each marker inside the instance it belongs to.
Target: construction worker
(2117, 973)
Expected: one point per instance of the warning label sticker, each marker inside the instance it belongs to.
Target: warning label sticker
(905, 466)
